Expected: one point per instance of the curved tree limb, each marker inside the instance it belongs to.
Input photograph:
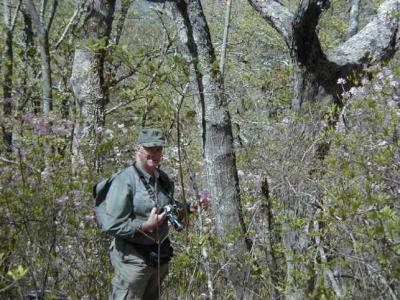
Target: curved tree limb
(318, 70)
(276, 14)
(377, 41)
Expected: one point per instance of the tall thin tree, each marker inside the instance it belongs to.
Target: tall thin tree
(8, 70)
(219, 154)
(43, 25)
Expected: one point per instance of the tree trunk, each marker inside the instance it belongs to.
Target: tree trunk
(125, 4)
(47, 94)
(270, 233)
(42, 30)
(6, 126)
(8, 70)
(29, 61)
(219, 153)
(87, 77)
(225, 37)
(8, 62)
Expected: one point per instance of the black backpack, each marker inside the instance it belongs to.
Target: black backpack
(99, 191)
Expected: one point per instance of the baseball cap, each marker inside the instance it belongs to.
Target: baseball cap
(151, 137)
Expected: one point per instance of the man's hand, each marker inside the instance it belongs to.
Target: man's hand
(155, 220)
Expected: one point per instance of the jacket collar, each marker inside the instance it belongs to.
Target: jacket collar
(146, 175)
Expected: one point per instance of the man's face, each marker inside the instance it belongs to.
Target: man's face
(150, 156)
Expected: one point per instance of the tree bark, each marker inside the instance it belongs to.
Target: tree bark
(125, 4)
(225, 37)
(42, 30)
(8, 71)
(87, 79)
(6, 123)
(8, 61)
(219, 153)
(28, 59)
(269, 232)
(317, 72)
(353, 18)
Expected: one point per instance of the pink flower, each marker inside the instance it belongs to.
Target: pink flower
(22, 152)
(90, 219)
(62, 200)
(346, 95)
(204, 195)
(60, 130)
(7, 101)
(353, 91)
(41, 125)
(27, 117)
(68, 123)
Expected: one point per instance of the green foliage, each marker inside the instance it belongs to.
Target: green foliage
(340, 214)
(362, 171)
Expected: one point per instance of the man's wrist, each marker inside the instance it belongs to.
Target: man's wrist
(142, 227)
(145, 227)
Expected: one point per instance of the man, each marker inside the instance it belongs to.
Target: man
(141, 249)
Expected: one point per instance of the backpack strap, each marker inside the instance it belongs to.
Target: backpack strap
(101, 188)
(149, 190)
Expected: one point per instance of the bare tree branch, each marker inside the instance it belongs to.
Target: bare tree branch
(52, 14)
(276, 14)
(14, 19)
(74, 19)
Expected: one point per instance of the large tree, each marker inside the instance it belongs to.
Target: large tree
(87, 77)
(316, 70)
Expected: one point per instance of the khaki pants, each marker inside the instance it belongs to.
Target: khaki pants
(133, 278)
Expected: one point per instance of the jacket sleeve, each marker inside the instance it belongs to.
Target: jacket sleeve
(120, 219)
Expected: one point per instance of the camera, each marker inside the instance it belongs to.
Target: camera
(172, 211)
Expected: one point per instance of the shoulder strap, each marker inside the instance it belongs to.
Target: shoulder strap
(133, 179)
(145, 183)
(100, 189)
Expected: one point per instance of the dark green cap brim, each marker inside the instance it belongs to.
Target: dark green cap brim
(152, 144)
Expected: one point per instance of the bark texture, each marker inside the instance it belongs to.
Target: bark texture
(354, 18)
(316, 71)
(42, 29)
(7, 84)
(87, 77)
(28, 58)
(219, 152)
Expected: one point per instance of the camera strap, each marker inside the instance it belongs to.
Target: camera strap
(149, 189)
(153, 196)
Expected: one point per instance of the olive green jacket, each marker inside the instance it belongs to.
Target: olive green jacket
(129, 205)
